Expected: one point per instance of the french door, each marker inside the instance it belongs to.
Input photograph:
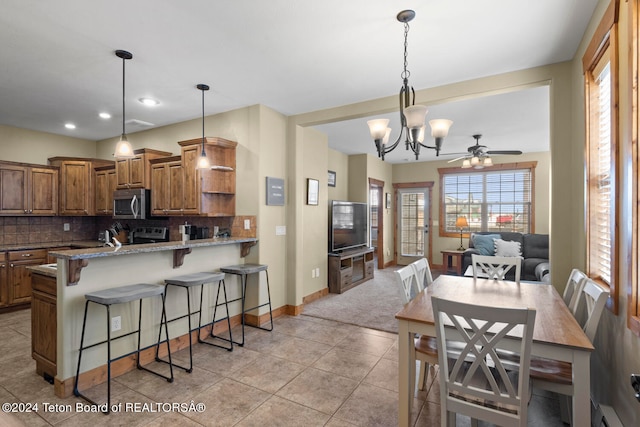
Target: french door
(413, 224)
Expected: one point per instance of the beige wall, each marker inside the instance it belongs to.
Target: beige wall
(428, 171)
(28, 146)
(339, 163)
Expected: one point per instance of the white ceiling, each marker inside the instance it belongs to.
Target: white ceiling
(58, 64)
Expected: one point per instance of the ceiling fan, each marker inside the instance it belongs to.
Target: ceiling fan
(479, 156)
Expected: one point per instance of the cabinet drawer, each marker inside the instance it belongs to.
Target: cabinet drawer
(44, 284)
(27, 255)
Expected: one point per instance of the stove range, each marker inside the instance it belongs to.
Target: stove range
(150, 235)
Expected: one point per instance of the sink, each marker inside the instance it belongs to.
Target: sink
(54, 265)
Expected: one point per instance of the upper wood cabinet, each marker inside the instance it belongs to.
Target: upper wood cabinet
(105, 186)
(28, 189)
(167, 186)
(210, 192)
(136, 172)
(77, 184)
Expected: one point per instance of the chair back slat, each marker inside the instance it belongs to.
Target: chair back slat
(495, 267)
(591, 302)
(573, 289)
(475, 380)
(406, 280)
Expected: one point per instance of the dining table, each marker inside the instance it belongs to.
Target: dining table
(556, 333)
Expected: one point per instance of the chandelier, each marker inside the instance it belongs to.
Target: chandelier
(412, 117)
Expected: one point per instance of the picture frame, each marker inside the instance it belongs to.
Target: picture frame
(275, 191)
(387, 199)
(331, 178)
(313, 187)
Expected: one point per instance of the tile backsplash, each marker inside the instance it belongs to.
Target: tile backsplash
(45, 229)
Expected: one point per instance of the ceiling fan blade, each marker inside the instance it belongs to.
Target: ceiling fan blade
(456, 159)
(514, 152)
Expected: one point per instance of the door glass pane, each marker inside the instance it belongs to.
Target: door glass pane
(412, 224)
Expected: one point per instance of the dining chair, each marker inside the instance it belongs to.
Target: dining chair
(572, 290)
(555, 375)
(474, 382)
(495, 267)
(423, 272)
(425, 349)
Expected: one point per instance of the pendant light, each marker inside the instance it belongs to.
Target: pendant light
(203, 162)
(124, 150)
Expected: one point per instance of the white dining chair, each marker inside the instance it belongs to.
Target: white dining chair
(495, 267)
(556, 376)
(425, 351)
(572, 290)
(473, 380)
(423, 272)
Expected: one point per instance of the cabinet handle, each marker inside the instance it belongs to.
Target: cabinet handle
(27, 255)
(11, 265)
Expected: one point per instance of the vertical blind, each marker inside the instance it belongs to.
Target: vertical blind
(491, 201)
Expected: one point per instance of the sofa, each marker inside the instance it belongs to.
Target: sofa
(534, 249)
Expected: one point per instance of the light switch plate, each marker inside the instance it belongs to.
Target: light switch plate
(247, 224)
(281, 230)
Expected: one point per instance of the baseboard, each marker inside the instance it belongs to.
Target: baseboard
(389, 264)
(98, 375)
(315, 296)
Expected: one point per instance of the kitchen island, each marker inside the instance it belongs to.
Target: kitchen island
(82, 271)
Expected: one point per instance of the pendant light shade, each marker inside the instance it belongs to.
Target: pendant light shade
(203, 161)
(124, 150)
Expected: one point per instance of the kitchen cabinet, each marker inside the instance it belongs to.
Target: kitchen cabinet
(210, 192)
(77, 184)
(4, 280)
(44, 322)
(105, 186)
(18, 277)
(136, 172)
(167, 186)
(28, 189)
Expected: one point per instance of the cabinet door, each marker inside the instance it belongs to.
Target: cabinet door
(105, 186)
(13, 190)
(76, 196)
(122, 173)
(43, 188)
(19, 282)
(175, 187)
(158, 192)
(191, 201)
(136, 172)
(4, 284)
(44, 324)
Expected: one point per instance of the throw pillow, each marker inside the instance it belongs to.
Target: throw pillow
(484, 243)
(507, 248)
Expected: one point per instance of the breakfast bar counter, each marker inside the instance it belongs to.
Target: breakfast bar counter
(82, 271)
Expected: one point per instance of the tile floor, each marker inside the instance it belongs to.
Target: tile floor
(307, 372)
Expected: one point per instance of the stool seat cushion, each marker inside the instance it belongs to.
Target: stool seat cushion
(195, 279)
(244, 268)
(125, 293)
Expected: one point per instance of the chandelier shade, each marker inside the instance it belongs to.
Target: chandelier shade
(412, 117)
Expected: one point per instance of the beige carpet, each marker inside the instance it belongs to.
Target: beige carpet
(372, 304)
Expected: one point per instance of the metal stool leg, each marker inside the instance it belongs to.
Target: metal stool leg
(222, 284)
(166, 330)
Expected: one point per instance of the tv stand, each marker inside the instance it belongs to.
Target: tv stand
(349, 268)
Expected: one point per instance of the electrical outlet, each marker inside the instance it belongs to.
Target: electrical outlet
(313, 273)
(317, 272)
(66, 226)
(116, 323)
(247, 224)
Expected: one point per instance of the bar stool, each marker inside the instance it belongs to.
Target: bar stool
(243, 270)
(107, 298)
(187, 281)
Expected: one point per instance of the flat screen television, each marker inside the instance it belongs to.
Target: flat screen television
(348, 225)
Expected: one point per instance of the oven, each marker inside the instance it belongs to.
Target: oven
(150, 235)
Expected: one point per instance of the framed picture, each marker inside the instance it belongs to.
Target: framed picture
(331, 178)
(313, 186)
(387, 200)
(275, 191)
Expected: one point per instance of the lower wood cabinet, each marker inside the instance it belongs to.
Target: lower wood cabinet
(15, 279)
(44, 324)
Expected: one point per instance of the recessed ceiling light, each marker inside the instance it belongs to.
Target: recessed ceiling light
(105, 115)
(69, 125)
(149, 102)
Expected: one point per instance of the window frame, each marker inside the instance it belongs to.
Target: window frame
(531, 166)
(633, 292)
(604, 41)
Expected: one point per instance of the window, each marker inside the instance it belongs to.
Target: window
(412, 223)
(600, 75)
(498, 198)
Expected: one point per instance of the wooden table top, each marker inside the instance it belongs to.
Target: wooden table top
(554, 322)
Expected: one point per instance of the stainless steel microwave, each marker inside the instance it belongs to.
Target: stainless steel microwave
(132, 204)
